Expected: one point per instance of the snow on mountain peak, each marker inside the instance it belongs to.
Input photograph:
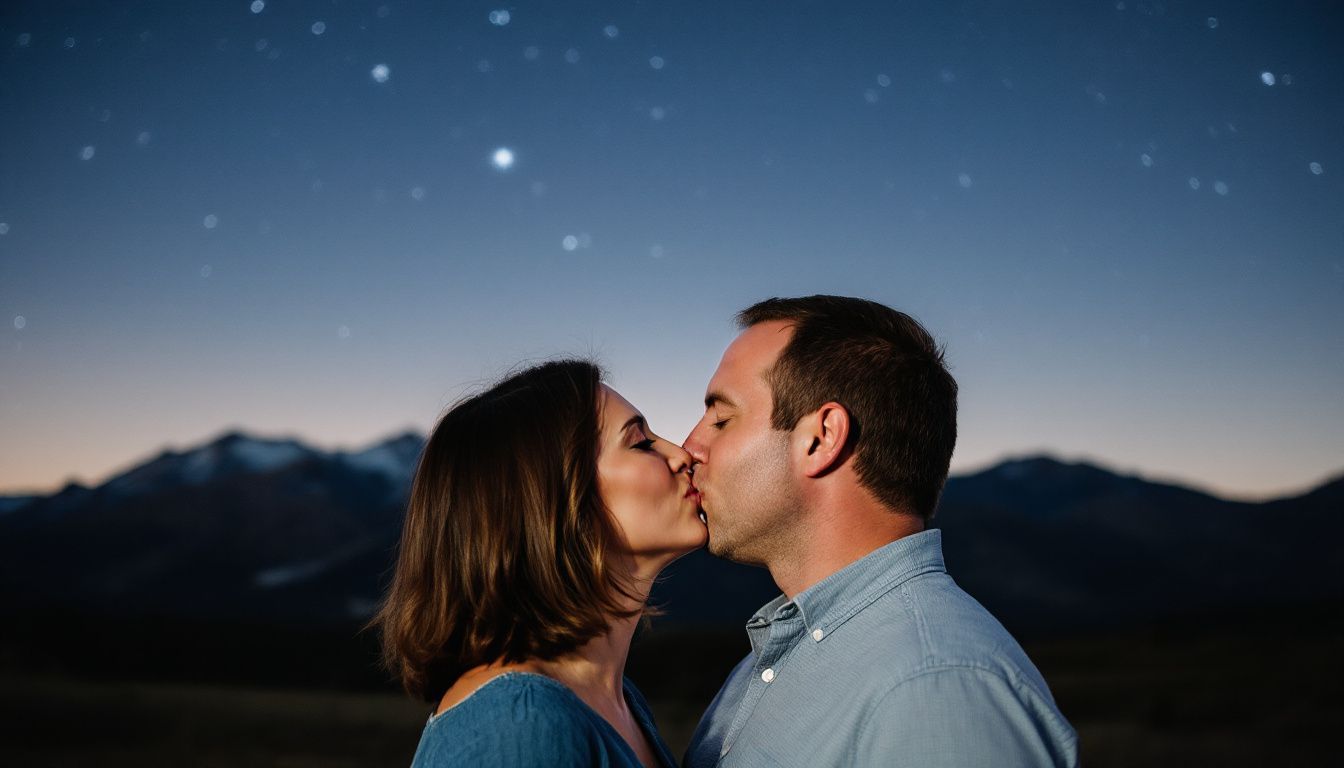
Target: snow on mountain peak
(260, 455)
(232, 453)
(394, 458)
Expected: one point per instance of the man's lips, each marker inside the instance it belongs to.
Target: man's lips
(694, 492)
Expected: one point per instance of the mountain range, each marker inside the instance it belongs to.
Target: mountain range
(272, 530)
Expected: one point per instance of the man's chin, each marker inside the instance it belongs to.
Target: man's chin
(719, 548)
(725, 550)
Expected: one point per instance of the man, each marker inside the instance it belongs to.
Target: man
(825, 444)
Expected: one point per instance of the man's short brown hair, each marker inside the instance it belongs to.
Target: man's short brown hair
(506, 547)
(887, 372)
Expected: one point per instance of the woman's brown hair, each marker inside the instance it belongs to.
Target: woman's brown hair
(505, 549)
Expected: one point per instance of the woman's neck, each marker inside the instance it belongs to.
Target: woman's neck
(595, 671)
(597, 667)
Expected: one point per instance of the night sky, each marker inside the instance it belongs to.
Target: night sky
(330, 220)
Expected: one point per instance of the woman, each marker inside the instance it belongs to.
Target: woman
(541, 512)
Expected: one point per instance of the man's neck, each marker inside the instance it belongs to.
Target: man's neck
(834, 538)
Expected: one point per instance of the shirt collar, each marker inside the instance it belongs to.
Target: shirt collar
(836, 598)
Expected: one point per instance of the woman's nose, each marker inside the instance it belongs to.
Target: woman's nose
(677, 458)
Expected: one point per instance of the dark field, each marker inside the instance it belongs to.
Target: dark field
(1261, 693)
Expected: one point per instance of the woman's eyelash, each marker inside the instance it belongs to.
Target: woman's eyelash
(644, 445)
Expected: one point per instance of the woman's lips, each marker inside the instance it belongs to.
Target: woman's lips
(691, 490)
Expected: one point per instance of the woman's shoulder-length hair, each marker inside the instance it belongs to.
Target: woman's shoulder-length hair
(505, 549)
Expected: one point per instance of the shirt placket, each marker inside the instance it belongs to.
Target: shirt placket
(770, 644)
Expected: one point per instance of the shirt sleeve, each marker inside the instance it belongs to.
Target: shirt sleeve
(964, 717)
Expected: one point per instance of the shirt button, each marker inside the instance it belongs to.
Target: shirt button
(817, 634)
(768, 675)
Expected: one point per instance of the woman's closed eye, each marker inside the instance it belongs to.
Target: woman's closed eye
(644, 445)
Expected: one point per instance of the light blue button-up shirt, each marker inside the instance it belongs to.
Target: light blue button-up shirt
(885, 662)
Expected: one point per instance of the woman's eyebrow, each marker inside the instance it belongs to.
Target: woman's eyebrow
(632, 421)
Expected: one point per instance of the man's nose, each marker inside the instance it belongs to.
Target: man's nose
(695, 446)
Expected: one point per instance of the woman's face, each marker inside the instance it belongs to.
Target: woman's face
(645, 482)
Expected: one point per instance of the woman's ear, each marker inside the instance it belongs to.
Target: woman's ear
(821, 438)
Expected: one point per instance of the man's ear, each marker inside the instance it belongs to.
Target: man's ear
(821, 438)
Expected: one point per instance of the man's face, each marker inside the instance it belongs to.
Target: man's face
(747, 492)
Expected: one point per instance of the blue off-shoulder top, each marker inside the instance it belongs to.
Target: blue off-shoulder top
(523, 719)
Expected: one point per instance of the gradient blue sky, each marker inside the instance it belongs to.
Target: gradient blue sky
(1131, 244)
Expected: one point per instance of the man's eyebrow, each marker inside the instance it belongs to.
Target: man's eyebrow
(714, 398)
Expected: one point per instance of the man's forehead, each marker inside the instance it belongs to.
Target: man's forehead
(760, 344)
(749, 356)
